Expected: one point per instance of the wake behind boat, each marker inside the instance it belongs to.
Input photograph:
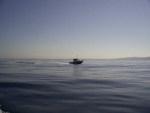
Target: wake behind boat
(76, 61)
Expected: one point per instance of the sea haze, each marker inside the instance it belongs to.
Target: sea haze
(55, 86)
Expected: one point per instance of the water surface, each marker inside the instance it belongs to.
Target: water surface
(54, 86)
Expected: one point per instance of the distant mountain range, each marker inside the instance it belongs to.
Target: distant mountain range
(136, 58)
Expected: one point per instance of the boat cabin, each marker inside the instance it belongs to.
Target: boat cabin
(75, 59)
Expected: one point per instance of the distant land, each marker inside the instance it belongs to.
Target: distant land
(123, 58)
(136, 58)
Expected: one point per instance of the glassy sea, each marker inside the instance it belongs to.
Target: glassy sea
(55, 86)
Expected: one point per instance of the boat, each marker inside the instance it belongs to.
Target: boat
(76, 61)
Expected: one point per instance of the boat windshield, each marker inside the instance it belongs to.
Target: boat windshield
(75, 59)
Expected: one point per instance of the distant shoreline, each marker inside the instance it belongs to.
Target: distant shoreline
(124, 58)
(136, 58)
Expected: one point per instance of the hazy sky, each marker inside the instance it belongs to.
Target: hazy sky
(65, 28)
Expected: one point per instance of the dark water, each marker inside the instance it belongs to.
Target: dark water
(54, 86)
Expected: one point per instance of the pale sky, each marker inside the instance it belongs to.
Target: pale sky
(67, 28)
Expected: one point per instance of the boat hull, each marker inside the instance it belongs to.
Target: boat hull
(77, 62)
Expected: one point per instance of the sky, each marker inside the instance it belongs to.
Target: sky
(62, 29)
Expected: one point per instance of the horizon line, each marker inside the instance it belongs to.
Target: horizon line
(80, 58)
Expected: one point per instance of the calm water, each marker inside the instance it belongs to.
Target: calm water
(54, 86)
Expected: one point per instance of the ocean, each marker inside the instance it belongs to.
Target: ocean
(55, 86)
